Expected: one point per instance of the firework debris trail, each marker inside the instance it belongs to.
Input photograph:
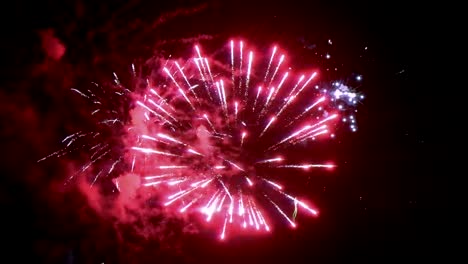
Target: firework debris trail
(212, 135)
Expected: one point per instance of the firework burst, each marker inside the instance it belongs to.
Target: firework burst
(213, 134)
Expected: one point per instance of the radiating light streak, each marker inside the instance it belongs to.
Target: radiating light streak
(181, 91)
(244, 134)
(249, 181)
(241, 48)
(153, 151)
(306, 110)
(278, 159)
(208, 67)
(169, 167)
(162, 109)
(269, 64)
(209, 122)
(158, 176)
(276, 70)
(249, 69)
(259, 90)
(235, 165)
(282, 213)
(274, 184)
(154, 112)
(164, 136)
(306, 166)
(267, 126)
(223, 233)
(183, 209)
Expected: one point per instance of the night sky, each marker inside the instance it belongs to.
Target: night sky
(385, 202)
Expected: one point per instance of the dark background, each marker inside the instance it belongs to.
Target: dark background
(386, 202)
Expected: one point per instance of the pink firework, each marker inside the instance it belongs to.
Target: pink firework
(213, 135)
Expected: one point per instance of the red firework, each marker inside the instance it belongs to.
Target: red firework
(212, 135)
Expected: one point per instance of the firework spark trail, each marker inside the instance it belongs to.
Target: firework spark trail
(241, 49)
(223, 91)
(298, 133)
(276, 69)
(306, 110)
(259, 90)
(164, 111)
(208, 67)
(267, 126)
(161, 99)
(153, 151)
(270, 94)
(282, 213)
(87, 166)
(306, 166)
(293, 94)
(247, 79)
(155, 113)
(181, 91)
(197, 63)
(183, 209)
(244, 134)
(96, 177)
(236, 110)
(269, 64)
(209, 122)
(278, 159)
(274, 94)
(220, 95)
(196, 153)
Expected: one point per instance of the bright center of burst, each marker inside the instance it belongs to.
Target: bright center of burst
(226, 154)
